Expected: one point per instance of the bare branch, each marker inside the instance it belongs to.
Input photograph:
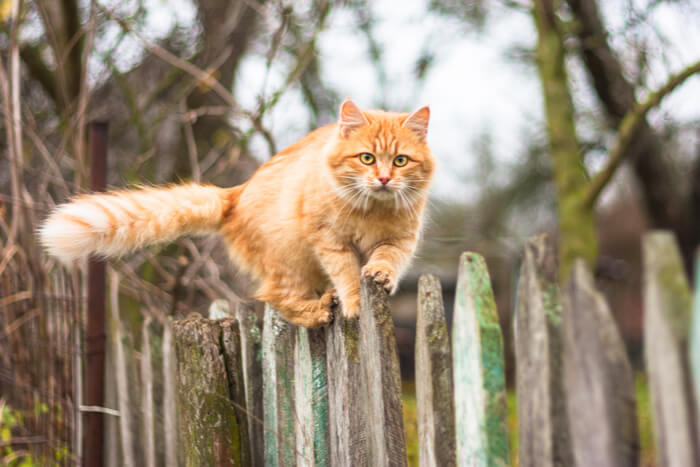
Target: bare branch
(628, 127)
(206, 78)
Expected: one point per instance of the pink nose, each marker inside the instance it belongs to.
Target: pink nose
(384, 180)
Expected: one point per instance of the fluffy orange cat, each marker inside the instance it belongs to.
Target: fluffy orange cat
(344, 201)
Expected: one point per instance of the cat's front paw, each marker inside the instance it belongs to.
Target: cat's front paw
(383, 274)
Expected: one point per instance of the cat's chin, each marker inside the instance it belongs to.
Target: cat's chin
(383, 194)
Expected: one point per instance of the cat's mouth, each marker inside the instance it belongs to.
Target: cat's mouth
(383, 193)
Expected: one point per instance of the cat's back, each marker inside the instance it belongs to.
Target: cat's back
(283, 178)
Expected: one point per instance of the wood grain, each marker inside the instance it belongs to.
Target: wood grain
(598, 378)
(347, 412)
(381, 380)
(278, 389)
(311, 397)
(251, 356)
(210, 432)
(434, 395)
(667, 320)
(542, 424)
(479, 373)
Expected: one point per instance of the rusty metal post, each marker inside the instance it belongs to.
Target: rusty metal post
(95, 338)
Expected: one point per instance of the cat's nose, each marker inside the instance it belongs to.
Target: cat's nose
(384, 180)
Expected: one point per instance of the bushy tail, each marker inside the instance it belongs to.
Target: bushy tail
(114, 223)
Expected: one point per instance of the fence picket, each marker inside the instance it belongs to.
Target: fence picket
(598, 378)
(278, 389)
(210, 431)
(434, 396)
(542, 424)
(251, 355)
(381, 382)
(147, 395)
(231, 350)
(347, 416)
(667, 320)
(694, 347)
(479, 373)
(311, 397)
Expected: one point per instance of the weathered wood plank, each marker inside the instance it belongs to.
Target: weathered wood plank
(170, 422)
(479, 374)
(542, 424)
(251, 353)
(147, 404)
(695, 338)
(278, 389)
(434, 385)
(231, 349)
(598, 378)
(668, 308)
(382, 378)
(347, 412)
(209, 430)
(311, 397)
(121, 365)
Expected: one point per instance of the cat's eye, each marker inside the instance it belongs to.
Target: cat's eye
(367, 158)
(400, 161)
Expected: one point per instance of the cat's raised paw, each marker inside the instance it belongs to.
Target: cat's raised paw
(381, 274)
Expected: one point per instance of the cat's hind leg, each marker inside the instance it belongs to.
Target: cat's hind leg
(301, 309)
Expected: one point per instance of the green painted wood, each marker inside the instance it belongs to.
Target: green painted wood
(695, 338)
(251, 355)
(210, 433)
(278, 389)
(600, 390)
(479, 373)
(434, 385)
(347, 414)
(381, 382)
(543, 439)
(311, 397)
(667, 322)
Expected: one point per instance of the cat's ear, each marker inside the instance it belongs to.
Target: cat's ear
(418, 122)
(351, 118)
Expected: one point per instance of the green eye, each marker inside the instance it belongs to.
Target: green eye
(400, 161)
(367, 158)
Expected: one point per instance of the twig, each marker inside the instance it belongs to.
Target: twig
(628, 127)
(204, 77)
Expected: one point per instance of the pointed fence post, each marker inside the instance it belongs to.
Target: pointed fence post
(598, 377)
(542, 424)
(347, 416)
(311, 397)
(434, 396)
(278, 389)
(667, 321)
(479, 373)
(381, 380)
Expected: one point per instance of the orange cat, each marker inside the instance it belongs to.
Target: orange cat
(345, 200)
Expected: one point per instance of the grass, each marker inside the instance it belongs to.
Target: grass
(646, 437)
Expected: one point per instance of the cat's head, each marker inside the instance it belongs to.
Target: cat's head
(381, 156)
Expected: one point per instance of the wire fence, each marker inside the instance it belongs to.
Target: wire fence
(41, 349)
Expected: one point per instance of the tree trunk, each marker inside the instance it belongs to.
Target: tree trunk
(577, 237)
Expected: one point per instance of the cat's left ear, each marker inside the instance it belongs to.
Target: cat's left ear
(351, 118)
(418, 122)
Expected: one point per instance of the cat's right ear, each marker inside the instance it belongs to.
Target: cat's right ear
(351, 118)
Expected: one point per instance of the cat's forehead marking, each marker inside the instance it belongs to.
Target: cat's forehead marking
(385, 141)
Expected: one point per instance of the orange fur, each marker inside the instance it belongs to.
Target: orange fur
(308, 223)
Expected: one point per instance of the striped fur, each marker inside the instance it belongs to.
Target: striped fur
(117, 222)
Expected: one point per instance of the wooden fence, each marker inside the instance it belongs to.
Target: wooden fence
(265, 392)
